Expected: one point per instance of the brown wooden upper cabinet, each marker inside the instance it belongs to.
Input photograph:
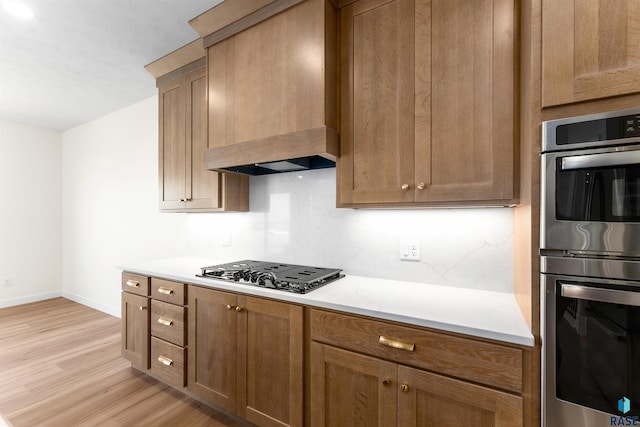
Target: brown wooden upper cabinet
(428, 103)
(590, 50)
(184, 183)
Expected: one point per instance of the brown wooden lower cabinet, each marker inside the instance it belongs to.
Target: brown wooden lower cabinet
(427, 399)
(135, 325)
(362, 389)
(348, 388)
(212, 343)
(355, 389)
(135, 329)
(167, 323)
(246, 356)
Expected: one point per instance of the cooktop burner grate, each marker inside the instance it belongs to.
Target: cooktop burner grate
(286, 277)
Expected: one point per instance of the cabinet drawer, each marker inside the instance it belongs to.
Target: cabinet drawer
(168, 362)
(165, 290)
(168, 322)
(469, 359)
(135, 284)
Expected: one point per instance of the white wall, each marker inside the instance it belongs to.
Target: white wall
(110, 206)
(30, 214)
(111, 217)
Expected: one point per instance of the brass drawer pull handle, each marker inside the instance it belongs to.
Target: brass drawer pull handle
(133, 284)
(165, 361)
(402, 345)
(165, 291)
(165, 322)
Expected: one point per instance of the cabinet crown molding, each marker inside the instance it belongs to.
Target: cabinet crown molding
(180, 57)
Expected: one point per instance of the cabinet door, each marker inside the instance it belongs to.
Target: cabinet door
(202, 185)
(211, 370)
(135, 330)
(270, 362)
(351, 389)
(172, 148)
(432, 400)
(377, 126)
(590, 50)
(428, 102)
(465, 100)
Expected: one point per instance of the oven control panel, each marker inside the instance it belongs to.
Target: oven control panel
(631, 126)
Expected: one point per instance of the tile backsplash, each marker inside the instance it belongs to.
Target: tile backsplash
(293, 219)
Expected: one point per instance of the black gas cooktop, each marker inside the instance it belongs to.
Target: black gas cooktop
(287, 277)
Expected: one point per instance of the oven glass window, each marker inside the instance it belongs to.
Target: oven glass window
(597, 354)
(610, 194)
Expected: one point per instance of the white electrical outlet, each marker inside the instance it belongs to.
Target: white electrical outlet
(410, 250)
(226, 240)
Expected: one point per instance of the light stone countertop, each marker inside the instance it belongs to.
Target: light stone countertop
(485, 314)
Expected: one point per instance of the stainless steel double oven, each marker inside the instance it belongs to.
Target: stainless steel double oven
(590, 265)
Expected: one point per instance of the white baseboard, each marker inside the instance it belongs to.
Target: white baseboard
(114, 311)
(4, 422)
(30, 298)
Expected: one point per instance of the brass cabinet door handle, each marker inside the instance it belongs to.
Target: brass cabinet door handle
(386, 381)
(165, 360)
(391, 342)
(165, 291)
(142, 308)
(239, 309)
(229, 306)
(404, 388)
(165, 322)
(133, 284)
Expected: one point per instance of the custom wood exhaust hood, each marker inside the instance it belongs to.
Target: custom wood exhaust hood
(272, 85)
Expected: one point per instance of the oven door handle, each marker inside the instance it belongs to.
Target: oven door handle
(602, 159)
(612, 296)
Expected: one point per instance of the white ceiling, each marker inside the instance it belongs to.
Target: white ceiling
(77, 60)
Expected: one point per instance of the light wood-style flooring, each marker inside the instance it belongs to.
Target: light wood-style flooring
(60, 365)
